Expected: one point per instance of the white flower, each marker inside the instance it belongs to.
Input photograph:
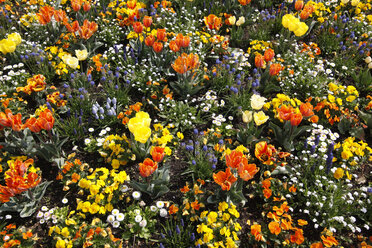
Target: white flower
(87, 141)
(91, 130)
(137, 211)
(81, 54)
(110, 218)
(42, 221)
(163, 212)
(153, 208)
(115, 224)
(6, 238)
(240, 21)
(8, 217)
(115, 212)
(143, 223)
(44, 208)
(120, 217)
(160, 204)
(136, 195)
(124, 188)
(40, 215)
(138, 218)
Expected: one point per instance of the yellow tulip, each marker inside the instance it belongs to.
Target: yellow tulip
(302, 29)
(7, 46)
(142, 134)
(16, 38)
(260, 118)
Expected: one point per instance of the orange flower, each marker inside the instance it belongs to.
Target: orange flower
(264, 152)
(138, 27)
(76, 4)
(17, 180)
(259, 61)
(147, 21)
(4, 119)
(306, 12)
(46, 120)
(247, 171)
(157, 154)
(292, 189)
(147, 167)
(317, 245)
(299, 5)
(244, 2)
(186, 62)
(314, 119)
(173, 209)
(269, 55)
(131, 4)
(234, 159)
(60, 15)
(88, 29)
(32, 124)
(266, 183)
(185, 189)
(27, 235)
(302, 222)
(195, 205)
(72, 28)
(296, 119)
(213, 22)
(173, 46)
(86, 6)
(285, 112)
(286, 225)
(224, 179)
(161, 34)
(306, 109)
(157, 46)
(45, 14)
(274, 227)
(298, 237)
(275, 69)
(267, 193)
(149, 41)
(182, 41)
(329, 241)
(256, 232)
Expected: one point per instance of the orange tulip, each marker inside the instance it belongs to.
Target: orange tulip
(157, 46)
(256, 232)
(299, 5)
(17, 180)
(157, 154)
(147, 21)
(60, 15)
(264, 152)
(269, 54)
(4, 120)
(274, 228)
(213, 22)
(244, 2)
(306, 12)
(131, 4)
(259, 61)
(46, 120)
(234, 159)
(306, 109)
(76, 4)
(296, 119)
(32, 124)
(173, 46)
(275, 69)
(87, 6)
(15, 120)
(138, 27)
(45, 14)
(224, 179)
(161, 34)
(149, 41)
(72, 28)
(147, 167)
(285, 112)
(186, 62)
(88, 29)
(247, 171)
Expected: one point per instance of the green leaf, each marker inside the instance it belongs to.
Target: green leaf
(28, 209)
(344, 125)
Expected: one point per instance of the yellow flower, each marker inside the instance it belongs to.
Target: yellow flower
(7, 46)
(208, 237)
(302, 29)
(232, 20)
(65, 232)
(16, 38)
(142, 134)
(225, 231)
(339, 173)
(81, 54)
(240, 21)
(212, 217)
(332, 87)
(247, 116)
(61, 244)
(257, 102)
(286, 20)
(72, 62)
(355, 2)
(350, 98)
(226, 217)
(260, 118)
(222, 206)
(339, 101)
(115, 163)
